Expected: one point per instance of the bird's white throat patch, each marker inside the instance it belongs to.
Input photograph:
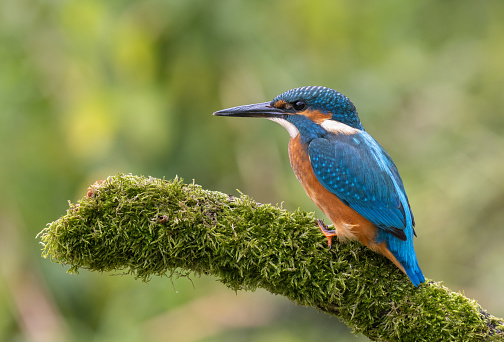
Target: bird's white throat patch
(337, 127)
(293, 131)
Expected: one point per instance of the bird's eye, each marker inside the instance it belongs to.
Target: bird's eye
(299, 105)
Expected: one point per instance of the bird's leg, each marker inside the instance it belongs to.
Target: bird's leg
(328, 233)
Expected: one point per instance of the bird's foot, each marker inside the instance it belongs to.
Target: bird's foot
(328, 233)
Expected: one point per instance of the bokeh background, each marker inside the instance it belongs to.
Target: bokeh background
(93, 88)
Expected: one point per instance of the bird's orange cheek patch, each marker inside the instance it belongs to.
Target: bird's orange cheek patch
(316, 116)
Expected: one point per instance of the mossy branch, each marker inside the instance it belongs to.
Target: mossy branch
(148, 226)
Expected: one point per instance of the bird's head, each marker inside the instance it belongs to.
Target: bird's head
(306, 110)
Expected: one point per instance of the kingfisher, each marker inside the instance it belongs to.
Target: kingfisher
(344, 171)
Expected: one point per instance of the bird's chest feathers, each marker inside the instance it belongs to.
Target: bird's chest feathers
(299, 159)
(300, 162)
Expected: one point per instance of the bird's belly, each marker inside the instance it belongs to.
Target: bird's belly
(347, 222)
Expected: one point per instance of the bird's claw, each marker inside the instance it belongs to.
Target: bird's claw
(328, 233)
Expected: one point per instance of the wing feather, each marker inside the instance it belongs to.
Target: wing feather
(362, 176)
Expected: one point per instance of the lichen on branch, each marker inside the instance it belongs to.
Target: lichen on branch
(150, 227)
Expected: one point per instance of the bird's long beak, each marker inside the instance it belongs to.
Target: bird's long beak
(258, 110)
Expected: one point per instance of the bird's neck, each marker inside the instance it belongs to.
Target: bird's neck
(308, 130)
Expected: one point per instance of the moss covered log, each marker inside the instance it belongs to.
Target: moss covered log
(148, 227)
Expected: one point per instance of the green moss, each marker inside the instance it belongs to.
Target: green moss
(149, 227)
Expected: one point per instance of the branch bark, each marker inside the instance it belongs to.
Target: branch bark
(149, 227)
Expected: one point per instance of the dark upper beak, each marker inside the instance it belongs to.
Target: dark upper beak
(258, 110)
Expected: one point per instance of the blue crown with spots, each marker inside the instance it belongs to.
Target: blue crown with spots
(325, 100)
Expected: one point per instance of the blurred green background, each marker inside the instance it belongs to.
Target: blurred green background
(92, 88)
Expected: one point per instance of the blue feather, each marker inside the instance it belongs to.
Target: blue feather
(351, 171)
(359, 171)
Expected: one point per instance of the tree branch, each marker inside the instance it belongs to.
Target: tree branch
(148, 226)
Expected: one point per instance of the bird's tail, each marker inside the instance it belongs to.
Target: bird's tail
(405, 254)
(414, 273)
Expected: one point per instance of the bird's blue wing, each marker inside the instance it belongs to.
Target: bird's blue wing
(357, 170)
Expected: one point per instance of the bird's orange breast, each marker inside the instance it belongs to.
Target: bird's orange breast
(347, 222)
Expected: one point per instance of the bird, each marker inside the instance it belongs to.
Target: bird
(344, 171)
